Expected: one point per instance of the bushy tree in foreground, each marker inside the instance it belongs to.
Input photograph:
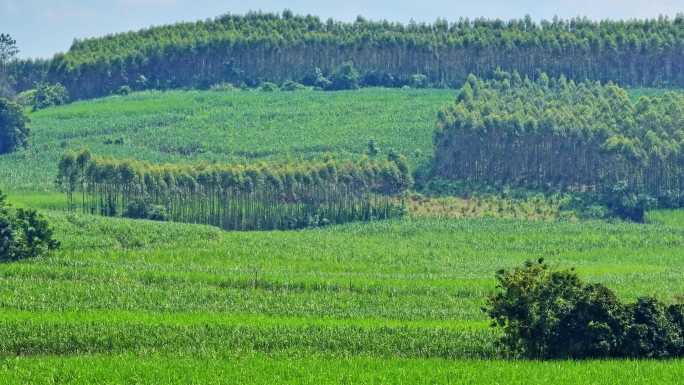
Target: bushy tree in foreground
(23, 234)
(13, 130)
(49, 95)
(546, 313)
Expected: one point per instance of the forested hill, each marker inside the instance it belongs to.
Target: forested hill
(269, 47)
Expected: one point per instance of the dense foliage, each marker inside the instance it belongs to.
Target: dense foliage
(276, 48)
(24, 74)
(49, 95)
(23, 234)
(555, 133)
(240, 197)
(553, 314)
(13, 130)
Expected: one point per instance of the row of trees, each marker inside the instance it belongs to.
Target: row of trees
(261, 47)
(555, 133)
(237, 197)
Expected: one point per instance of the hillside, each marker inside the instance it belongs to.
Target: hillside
(272, 198)
(560, 134)
(269, 47)
(241, 126)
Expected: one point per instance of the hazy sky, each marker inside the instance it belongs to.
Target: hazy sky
(45, 27)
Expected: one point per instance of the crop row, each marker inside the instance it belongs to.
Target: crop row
(25, 334)
(322, 370)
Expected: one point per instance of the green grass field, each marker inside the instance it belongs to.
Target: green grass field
(315, 370)
(139, 302)
(396, 298)
(241, 126)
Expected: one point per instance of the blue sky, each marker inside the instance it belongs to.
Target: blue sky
(45, 27)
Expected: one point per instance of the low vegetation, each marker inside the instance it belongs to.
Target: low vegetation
(321, 370)
(451, 207)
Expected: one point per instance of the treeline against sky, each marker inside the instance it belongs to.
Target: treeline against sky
(556, 133)
(261, 47)
(237, 197)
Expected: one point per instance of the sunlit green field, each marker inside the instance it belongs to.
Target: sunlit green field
(240, 126)
(315, 370)
(394, 297)
(138, 302)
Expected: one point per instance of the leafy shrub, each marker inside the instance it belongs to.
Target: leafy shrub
(627, 203)
(141, 82)
(123, 90)
(13, 130)
(317, 79)
(292, 86)
(379, 79)
(269, 87)
(118, 141)
(23, 234)
(655, 330)
(49, 95)
(373, 148)
(345, 77)
(26, 98)
(418, 81)
(141, 209)
(553, 314)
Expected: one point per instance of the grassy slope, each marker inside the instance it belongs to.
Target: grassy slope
(227, 127)
(381, 295)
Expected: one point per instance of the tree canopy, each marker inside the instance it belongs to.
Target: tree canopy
(240, 197)
(13, 130)
(260, 47)
(556, 133)
(23, 233)
(552, 314)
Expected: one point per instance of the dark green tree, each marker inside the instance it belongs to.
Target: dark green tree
(23, 234)
(552, 314)
(8, 51)
(49, 95)
(13, 130)
(345, 77)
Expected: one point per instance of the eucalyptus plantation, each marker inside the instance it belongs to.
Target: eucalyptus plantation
(556, 133)
(237, 197)
(260, 47)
